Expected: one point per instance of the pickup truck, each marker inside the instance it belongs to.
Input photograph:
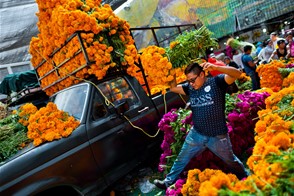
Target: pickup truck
(111, 140)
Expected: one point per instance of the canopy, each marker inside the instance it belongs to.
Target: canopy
(18, 81)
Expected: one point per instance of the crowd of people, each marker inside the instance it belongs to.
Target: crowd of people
(248, 58)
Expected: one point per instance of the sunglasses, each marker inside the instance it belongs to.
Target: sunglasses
(193, 79)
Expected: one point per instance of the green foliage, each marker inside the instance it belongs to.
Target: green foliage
(244, 86)
(285, 71)
(12, 135)
(180, 129)
(285, 183)
(11, 144)
(231, 101)
(191, 45)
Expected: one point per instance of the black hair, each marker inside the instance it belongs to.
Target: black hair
(234, 51)
(193, 67)
(226, 57)
(280, 41)
(247, 48)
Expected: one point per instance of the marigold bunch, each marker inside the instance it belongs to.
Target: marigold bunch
(107, 41)
(207, 182)
(49, 124)
(157, 68)
(24, 113)
(270, 76)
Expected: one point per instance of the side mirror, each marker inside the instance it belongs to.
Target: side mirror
(121, 106)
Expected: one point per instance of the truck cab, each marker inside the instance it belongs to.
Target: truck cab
(117, 124)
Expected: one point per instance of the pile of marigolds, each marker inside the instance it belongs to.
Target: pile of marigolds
(108, 44)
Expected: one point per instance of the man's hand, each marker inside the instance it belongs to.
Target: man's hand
(173, 83)
(208, 66)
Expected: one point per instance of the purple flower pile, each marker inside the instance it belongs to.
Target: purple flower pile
(175, 125)
(290, 65)
(242, 120)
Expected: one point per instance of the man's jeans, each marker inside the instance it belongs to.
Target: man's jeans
(195, 144)
(255, 80)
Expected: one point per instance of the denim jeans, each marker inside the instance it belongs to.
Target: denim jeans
(255, 80)
(195, 144)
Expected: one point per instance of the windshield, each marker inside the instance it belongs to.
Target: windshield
(72, 100)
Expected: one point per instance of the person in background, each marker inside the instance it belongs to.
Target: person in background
(207, 98)
(259, 47)
(250, 67)
(232, 88)
(229, 62)
(237, 59)
(274, 38)
(290, 45)
(229, 51)
(281, 51)
(266, 52)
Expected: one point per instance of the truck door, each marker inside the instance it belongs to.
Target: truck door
(117, 146)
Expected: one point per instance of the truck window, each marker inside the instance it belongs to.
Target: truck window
(118, 89)
(98, 109)
(72, 100)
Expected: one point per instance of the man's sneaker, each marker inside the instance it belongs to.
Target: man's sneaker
(160, 184)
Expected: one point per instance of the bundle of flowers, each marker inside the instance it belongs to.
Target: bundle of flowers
(270, 76)
(13, 136)
(158, 69)
(287, 74)
(189, 46)
(243, 82)
(207, 182)
(107, 41)
(175, 125)
(49, 123)
(242, 120)
(271, 163)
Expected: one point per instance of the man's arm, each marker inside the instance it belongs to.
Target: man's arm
(176, 88)
(231, 73)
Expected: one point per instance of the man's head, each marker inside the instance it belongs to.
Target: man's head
(235, 52)
(247, 49)
(268, 42)
(227, 60)
(281, 43)
(195, 75)
(289, 36)
(273, 36)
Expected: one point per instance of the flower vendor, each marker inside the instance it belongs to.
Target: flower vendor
(207, 98)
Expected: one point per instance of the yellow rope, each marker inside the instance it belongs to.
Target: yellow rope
(107, 102)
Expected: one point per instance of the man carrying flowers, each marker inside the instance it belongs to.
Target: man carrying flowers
(207, 98)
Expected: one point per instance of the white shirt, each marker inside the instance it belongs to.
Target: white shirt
(237, 59)
(265, 53)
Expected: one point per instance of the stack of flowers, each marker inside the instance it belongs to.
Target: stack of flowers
(49, 123)
(107, 41)
(270, 76)
(158, 69)
(190, 46)
(207, 182)
(242, 120)
(13, 135)
(175, 125)
(287, 74)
